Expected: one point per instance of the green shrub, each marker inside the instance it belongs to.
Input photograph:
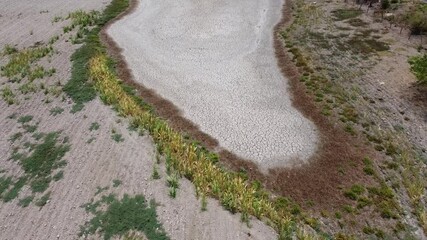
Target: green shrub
(419, 67)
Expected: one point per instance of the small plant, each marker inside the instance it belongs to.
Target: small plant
(155, 174)
(117, 137)
(25, 201)
(100, 190)
(172, 192)
(8, 95)
(28, 88)
(419, 67)
(14, 191)
(56, 110)
(41, 202)
(204, 203)
(172, 180)
(354, 192)
(25, 119)
(58, 176)
(15, 137)
(369, 167)
(94, 126)
(9, 50)
(116, 182)
(29, 128)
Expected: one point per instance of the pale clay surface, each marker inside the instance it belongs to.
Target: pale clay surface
(96, 164)
(215, 61)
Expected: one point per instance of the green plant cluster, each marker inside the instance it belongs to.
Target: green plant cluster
(122, 217)
(419, 67)
(78, 88)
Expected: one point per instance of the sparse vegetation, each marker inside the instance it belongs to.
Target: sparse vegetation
(19, 65)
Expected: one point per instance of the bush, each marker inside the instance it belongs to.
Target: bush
(419, 67)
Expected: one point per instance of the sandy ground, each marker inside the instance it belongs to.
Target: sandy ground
(96, 164)
(215, 61)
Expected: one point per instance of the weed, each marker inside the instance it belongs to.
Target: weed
(28, 88)
(123, 216)
(29, 128)
(94, 126)
(40, 184)
(8, 95)
(7, 50)
(58, 176)
(418, 67)
(5, 183)
(368, 168)
(43, 200)
(117, 137)
(354, 192)
(100, 190)
(116, 182)
(172, 181)
(90, 140)
(204, 203)
(25, 119)
(56, 110)
(25, 201)
(15, 137)
(13, 193)
(155, 174)
(38, 136)
(76, 107)
(172, 192)
(53, 39)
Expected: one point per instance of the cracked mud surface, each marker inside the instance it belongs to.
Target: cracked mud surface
(215, 61)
